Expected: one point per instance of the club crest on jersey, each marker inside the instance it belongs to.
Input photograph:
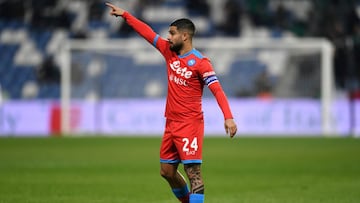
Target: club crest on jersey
(191, 62)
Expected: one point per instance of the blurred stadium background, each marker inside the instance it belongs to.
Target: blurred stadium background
(122, 93)
(68, 61)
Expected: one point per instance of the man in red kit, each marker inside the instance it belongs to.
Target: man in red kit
(188, 71)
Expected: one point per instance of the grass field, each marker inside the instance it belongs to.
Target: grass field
(126, 170)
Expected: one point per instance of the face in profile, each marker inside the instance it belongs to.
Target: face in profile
(175, 39)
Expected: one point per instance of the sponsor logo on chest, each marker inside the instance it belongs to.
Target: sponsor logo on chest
(179, 74)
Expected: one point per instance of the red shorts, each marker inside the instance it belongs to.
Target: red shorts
(182, 142)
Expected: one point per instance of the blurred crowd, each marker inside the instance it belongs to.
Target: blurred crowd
(336, 20)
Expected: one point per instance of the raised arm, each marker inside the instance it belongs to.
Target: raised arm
(115, 11)
(140, 27)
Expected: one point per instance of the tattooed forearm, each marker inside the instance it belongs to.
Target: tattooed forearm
(199, 190)
(194, 174)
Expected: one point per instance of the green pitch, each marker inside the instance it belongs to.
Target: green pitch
(126, 170)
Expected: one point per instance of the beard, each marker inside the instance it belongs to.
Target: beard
(176, 47)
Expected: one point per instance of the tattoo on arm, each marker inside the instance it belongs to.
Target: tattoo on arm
(194, 174)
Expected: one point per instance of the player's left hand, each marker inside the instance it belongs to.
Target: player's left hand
(230, 127)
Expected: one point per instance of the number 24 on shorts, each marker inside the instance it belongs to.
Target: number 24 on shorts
(187, 144)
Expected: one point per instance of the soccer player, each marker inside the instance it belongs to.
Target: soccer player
(188, 71)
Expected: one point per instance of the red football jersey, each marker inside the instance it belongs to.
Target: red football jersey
(185, 82)
(187, 75)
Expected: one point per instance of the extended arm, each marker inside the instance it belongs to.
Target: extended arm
(140, 27)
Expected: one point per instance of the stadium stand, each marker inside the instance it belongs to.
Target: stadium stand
(31, 31)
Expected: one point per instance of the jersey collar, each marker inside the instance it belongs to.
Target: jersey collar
(187, 54)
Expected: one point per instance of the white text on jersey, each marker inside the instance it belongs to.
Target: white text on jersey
(175, 66)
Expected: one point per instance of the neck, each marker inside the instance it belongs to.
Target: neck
(185, 49)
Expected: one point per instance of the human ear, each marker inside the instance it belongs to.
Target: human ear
(184, 36)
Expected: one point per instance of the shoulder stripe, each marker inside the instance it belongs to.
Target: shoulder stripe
(155, 40)
(197, 54)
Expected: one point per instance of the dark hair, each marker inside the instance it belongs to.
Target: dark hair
(184, 24)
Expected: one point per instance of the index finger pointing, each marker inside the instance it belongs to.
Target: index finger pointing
(110, 5)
